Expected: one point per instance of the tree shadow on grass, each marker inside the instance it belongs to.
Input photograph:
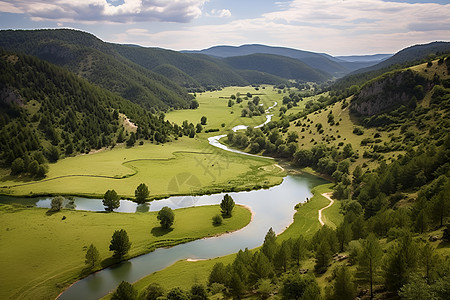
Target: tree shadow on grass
(159, 231)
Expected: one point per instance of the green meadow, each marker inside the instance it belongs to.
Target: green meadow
(46, 253)
(162, 167)
(214, 105)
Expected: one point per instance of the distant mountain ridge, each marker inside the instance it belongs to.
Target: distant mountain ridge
(322, 61)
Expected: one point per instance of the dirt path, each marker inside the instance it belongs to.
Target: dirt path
(328, 196)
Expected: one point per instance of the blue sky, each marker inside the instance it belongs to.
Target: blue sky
(337, 27)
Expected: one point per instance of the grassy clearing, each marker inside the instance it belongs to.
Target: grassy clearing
(214, 105)
(306, 218)
(158, 166)
(46, 253)
(185, 273)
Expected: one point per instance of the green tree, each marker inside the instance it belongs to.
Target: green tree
(218, 274)
(141, 193)
(125, 291)
(282, 256)
(166, 217)
(194, 104)
(111, 200)
(92, 256)
(227, 205)
(52, 154)
(153, 292)
(369, 260)
(295, 285)
(217, 220)
(33, 168)
(344, 234)
(198, 128)
(17, 166)
(57, 203)
(343, 287)
(203, 120)
(198, 292)
(120, 243)
(177, 294)
(323, 257)
(269, 246)
(299, 249)
(261, 267)
(131, 140)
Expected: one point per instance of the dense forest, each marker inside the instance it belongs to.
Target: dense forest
(47, 112)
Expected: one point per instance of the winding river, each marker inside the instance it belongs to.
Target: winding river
(273, 207)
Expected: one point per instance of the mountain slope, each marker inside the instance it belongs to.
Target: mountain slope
(98, 62)
(405, 58)
(46, 109)
(200, 68)
(281, 66)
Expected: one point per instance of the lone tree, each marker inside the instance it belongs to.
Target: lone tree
(125, 291)
(141, 193)
(166, 217)
(227, 206)
(203, 120)
(111, 200)
(92, 256)
(120, 243)
(57, 203)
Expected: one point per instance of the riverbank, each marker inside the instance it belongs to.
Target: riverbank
(211, 170)
(46, 253)
(185, 273)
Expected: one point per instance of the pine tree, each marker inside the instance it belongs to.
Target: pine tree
(92, 256)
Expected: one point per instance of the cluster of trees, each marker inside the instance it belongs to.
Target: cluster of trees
(120, 245)
(50, 112)
(253, 108)
(111, 199)
(265, 139)
(126, 291)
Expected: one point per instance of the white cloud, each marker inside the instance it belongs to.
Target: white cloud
(333, 26)
(100, 10)
(220, 13)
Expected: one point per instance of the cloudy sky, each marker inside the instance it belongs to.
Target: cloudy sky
(337, 27)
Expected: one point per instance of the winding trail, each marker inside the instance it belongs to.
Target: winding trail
(328, 196)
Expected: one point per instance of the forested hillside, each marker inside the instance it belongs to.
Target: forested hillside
(98, 62)
(47, 112)
(279, 66)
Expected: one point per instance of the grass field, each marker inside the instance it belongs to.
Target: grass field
(158, 166)
(214, 105)
(185, 273)
(46, 253)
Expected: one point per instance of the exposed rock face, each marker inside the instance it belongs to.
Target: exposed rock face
(9, 98)
(389, 91)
